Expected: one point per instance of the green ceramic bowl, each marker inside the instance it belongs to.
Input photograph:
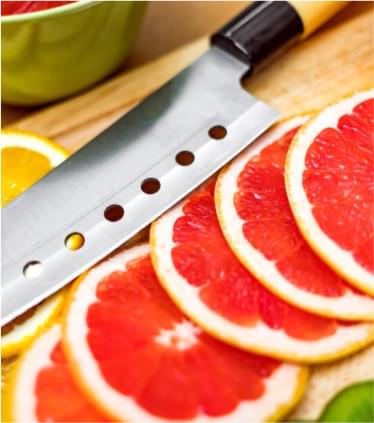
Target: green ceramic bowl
(55, 53)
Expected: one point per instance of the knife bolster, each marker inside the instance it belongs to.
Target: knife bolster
(259, 31)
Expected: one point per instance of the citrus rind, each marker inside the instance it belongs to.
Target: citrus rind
(39, 378)
(21, 335)
(20, 396)
(283, 389)
(350, 306)
(340, 260)
(259, 338)
(34, 142)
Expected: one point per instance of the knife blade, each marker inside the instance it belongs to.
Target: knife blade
(133, 169)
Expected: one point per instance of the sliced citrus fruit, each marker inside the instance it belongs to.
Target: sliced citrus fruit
(7, 366)
(18, 333)
(330, 185)
(137, 356)
(200, 272)
(42, 388)
(258, 224)
(25, 158)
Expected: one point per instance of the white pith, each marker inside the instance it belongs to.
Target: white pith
(32, 143)
(33, 360)
(259, 338)
(182, 336)
(348, 306)
(341, 260)
(30, 327)
(281, 387)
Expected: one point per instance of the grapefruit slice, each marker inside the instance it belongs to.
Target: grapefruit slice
(141, 360)
(258, 224)
(42, 388)
(196, 266)
(16, 335)
(330, 185)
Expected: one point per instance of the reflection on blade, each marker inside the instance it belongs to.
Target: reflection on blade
(141, 147)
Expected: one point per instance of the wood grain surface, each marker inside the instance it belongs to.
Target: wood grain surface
(334, 62)
(166, 26)
(328, 379)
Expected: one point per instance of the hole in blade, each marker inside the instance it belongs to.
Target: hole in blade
(150, 185)
(114, 213)
(184, 158)
(217, 132)
(32, 269)
(74, 241)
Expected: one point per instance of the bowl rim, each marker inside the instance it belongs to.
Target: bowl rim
(49, 13)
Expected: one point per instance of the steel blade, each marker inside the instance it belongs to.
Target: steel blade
(110, 170)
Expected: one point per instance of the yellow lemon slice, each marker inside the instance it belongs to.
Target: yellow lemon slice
(18, 333)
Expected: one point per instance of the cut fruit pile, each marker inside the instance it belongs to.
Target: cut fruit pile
(218, 317)
(162, 365)
(200, 272)
(257, 222)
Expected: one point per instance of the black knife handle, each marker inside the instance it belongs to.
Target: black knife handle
(266, 26)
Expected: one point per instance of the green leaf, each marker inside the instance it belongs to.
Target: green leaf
(353, 404)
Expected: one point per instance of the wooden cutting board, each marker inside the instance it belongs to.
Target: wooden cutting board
(334, 62)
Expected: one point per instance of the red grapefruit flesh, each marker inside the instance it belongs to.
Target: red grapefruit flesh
(43, 390)
(330, 183)
(202, 275)
(259, 226)
(140, 359)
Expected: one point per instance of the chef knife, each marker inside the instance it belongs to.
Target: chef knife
(149, 159)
